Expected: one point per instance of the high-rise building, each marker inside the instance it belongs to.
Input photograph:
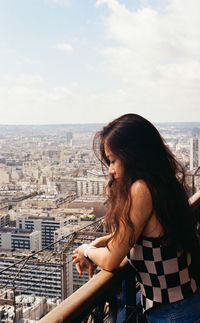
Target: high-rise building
(45, 225)
(90, 186)
(4, 220)
(12, 238)
(71, 279)
(69, 138)
(194, 152)
(39, 276)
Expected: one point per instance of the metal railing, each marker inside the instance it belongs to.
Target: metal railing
(101, 299)
(193, 180)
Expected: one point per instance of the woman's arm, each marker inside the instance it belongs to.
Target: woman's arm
(101, 242)
(110, 256)
(85, 264)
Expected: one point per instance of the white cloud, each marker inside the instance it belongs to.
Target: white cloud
(155, 54)
(24, 79)
(59, 93)
(75, 84)
(34, 104)
(66, 47)
(47, 104)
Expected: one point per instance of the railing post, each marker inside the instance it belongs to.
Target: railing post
(64, 266)
(14, 303)
(64, 276)
(130, 294)
(193, 188)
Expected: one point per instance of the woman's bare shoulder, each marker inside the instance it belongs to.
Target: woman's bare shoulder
(141, 196)
(141, 206)
(139, 187)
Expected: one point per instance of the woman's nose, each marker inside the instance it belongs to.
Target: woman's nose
(111, 170)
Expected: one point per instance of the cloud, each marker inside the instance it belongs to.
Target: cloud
(155, 54)
(61, 104)
(34, 105)
(64, 3)
(66, 47)
(59, 93)
(24, 79)
(75, 84)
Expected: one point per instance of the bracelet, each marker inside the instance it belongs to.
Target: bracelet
(85, 253)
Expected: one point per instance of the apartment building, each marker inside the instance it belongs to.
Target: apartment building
(4, 220)
(39, 276)
(90, 186)
(12, 238)
(73, 280)
(194, 152)
(45, 225)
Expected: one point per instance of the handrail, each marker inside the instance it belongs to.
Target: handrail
(71, 308)
(195, 200)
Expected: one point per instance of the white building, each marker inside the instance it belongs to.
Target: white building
(45, 225)
(194, 152)
(73, 279)
(90, 186)
(12, 238)
(4, 177)
(29, 308)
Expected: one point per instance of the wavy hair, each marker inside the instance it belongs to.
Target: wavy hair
(145, 155)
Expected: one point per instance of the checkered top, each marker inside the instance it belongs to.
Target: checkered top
(164, 273)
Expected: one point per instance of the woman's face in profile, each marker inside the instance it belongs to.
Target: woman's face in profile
(116, 168)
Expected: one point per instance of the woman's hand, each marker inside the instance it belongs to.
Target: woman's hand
(87, 267)
(82, 264)
(78, 255)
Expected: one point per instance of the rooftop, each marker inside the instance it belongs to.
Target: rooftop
(15, 231)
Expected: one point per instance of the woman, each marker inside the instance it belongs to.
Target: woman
(149, 221)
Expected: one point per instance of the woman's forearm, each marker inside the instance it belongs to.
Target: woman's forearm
(104, 258)
(108, 257)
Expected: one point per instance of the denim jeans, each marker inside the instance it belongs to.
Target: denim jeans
(184, 311)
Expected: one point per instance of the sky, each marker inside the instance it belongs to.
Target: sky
(90, 61)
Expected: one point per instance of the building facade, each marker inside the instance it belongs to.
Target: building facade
(194, 152)
(90, 186)
(12, 238)
(38, 277)
(45, 225)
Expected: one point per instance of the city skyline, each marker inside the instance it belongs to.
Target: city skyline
(82, 62)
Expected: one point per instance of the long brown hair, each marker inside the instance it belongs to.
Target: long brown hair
(144, 154)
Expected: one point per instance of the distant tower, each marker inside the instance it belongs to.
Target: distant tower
(69, 138)
(194, 152)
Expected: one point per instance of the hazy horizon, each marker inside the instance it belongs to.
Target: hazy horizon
(97, 123)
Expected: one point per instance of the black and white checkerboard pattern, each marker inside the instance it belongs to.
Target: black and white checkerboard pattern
(163, 273)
